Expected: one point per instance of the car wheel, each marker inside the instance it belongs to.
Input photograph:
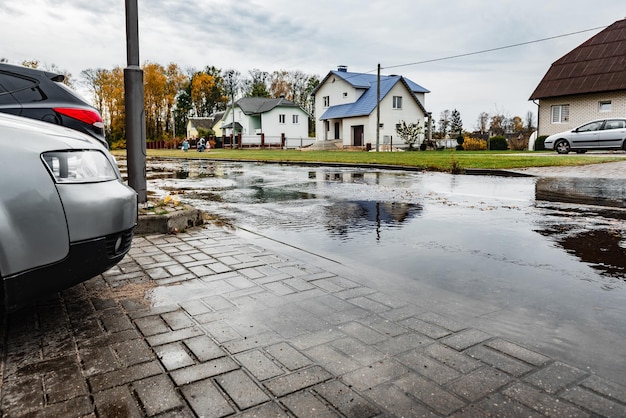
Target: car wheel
(562, 147)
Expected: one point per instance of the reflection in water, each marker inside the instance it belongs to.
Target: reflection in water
(605, 249)
(591, 191)
(341, 217)
(593, 234)
(265, 195)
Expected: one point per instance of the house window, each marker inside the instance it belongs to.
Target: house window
(281, 119)
(560, 114)
(604, 106)
(397, 102)
(326, 101)
(294, 119)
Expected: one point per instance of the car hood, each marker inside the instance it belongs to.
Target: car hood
(560, 134)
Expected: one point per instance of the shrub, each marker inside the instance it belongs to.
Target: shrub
(460, 148)
(474, 144)
(119, 144)
(539, 143)
(498, 143)
(172, 143)
(460, 139)
(518, 144)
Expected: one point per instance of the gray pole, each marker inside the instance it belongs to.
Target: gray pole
(135, 112)
(378, 109)
(430, 127)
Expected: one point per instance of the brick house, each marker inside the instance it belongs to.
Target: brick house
(585, 84)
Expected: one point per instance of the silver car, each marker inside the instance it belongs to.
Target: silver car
(598, 134)
(65, 215)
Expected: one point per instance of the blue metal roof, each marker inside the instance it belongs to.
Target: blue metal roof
(365, 81)
(366, 104)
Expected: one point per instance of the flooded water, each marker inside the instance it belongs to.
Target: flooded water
(553, 272)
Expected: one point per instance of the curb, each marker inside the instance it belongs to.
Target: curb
(168, 223)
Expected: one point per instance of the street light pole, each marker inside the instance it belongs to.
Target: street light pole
(135, 112)
(378, 109)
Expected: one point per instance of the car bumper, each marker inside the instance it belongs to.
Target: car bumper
(85, 260)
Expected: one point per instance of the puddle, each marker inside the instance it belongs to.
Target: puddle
(492, 240)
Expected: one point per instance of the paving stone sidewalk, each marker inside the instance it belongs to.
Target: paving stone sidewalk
(208, 324)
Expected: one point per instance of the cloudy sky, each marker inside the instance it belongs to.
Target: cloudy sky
(316, 36)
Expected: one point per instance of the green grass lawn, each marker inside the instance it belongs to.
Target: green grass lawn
(447, 160)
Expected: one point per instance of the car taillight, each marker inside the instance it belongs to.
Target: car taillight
(90, 117)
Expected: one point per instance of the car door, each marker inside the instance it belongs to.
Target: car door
(586, 136)
(612, 133)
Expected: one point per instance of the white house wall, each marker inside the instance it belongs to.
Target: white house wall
(389, 117)
(272, 126)
(335, 92)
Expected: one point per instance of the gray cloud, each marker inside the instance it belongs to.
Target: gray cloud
(315, 37)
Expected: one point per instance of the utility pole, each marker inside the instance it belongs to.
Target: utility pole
(378, 109)
(135, 112)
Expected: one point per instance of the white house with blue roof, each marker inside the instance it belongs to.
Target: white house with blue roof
(345, 107)
(273, 117)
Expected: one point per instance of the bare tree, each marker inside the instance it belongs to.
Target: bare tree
(530, 120)
(497, 125)
(444, 122)
(232, 83)
(482, 122)
(257, 85)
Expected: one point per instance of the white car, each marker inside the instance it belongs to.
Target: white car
(599, 134)
(65, 214)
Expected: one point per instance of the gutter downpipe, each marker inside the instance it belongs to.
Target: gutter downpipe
(538, 113)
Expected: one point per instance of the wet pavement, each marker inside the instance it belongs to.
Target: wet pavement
(218, 322)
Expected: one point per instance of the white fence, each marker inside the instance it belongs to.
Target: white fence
(254, 141)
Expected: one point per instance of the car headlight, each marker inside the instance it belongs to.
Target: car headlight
(86, 166)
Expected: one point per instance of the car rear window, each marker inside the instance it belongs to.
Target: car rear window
(24, 90)
(614, 124)
(72, 92)
(5, 97)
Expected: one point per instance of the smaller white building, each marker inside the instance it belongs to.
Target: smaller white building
(345, 107)
(271, 117)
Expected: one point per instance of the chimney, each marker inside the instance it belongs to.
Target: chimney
(342, 68)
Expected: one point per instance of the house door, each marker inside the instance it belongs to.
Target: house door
(357, 136)
(337, 130)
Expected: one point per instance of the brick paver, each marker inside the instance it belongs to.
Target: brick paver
(205, 323)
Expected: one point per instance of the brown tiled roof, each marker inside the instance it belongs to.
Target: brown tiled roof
(597, 65)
